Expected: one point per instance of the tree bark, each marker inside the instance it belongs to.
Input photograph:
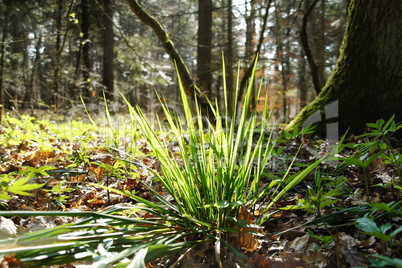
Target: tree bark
(302, 79)
(60, 43)
(204, 46)
(250, 29)
(229, 58)
(86, 70)
(108, 51)
(56, 73)
(30, 94)
(3, 52)
(366, 84)
(191, 89)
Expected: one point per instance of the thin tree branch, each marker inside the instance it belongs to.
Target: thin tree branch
(249, 70)
(188, 83)
(307, 50)
(126, 41)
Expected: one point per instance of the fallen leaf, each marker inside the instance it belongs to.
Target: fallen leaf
(355, 258)
(11, 261)
(7, 228)
(300, 243)
(246, 240)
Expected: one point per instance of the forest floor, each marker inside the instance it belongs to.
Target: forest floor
(341, 216)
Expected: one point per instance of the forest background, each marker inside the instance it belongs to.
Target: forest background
(274, 199)
(53, 52)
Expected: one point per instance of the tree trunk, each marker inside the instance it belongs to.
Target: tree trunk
(60, 43)
(314, 49)
(3, 52)
(319, 41)
(56, 73)
(75, 91)
(366, 84)
(302, 80)
(204, 46)
(30, 97)
(282, 65)
(86, 70)
(229, 58)
(191, 89)
(108, 51)
(250, 30)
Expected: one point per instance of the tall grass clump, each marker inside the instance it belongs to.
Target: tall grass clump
(220, 161)
(212, 183)
(215, 175)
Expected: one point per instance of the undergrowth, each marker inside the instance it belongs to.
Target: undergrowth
(218, 192)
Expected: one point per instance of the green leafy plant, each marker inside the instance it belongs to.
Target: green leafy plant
(219, 165)
(380, 212)
(383, 231)
(382, 261)
(28, 129)
(362, 161)
(326, 240)
(377, 145)
(212, 185)
(322, 194)
(57, 193)
(381, 131)
(378, 142)
(18, 182)
(378, 222)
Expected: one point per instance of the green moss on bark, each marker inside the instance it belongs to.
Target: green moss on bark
(367, 81)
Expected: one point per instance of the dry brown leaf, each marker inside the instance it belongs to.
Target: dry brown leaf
(257, 260)
(377, 165)
(130, 184)
(247, 241)
(314, 257)
(11, 261)
(104, 158)
(355, 258)
(96, 173)
(299, 244)
(285, 260)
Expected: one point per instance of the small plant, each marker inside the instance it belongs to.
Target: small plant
(380, 212)
(326, 240)
(381, 131)
(322, 194)
(28, 129)
(57, 194)
(378, 223)
(18, 182)
(383, 231)
(384, 262)
(377, 145)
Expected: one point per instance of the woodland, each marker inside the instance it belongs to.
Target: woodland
(209, 133)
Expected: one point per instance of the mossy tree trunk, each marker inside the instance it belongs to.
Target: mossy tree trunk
(366, 83)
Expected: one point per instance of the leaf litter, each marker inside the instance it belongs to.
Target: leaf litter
(290, 238)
